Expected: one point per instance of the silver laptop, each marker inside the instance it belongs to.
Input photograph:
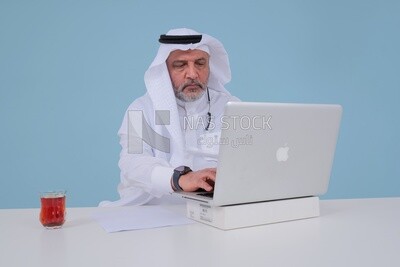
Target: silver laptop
(271, 151)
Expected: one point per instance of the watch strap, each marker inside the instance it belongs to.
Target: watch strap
(177, 175)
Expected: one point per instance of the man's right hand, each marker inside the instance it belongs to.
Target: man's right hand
(202, 179)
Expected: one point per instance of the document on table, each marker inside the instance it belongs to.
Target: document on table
(138, 217)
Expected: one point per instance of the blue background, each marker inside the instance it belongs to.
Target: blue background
(69, 69)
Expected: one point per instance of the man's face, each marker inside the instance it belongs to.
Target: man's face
(189, 71)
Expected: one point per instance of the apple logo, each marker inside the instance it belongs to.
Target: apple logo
(282, 154)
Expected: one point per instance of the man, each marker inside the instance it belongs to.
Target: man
(168, 134)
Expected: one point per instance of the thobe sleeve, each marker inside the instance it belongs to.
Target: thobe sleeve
(142, 173)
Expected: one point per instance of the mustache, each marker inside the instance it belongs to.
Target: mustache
(191, 83)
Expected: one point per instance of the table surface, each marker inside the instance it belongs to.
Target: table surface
(352, 232)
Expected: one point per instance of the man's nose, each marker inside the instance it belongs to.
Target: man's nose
(191, 72)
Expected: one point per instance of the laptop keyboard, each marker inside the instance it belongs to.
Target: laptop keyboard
(206, 194)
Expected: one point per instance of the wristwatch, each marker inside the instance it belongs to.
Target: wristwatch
(178, 172)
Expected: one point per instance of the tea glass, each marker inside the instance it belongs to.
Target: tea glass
(52, 209)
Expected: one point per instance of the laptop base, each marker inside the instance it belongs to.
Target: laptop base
(246, 215)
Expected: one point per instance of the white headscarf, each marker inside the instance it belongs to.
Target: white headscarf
(159, 86)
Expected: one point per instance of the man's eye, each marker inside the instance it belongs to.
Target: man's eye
(201, 63)
(179, 65)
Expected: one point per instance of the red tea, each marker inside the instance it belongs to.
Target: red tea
(52, 212)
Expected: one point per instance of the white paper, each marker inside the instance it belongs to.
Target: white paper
(137, 217)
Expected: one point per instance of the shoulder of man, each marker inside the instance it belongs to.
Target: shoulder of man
(140, 103)
(217, 95)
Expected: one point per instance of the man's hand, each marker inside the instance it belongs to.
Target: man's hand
(203, 179)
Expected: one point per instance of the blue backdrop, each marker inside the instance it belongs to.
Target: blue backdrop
(69, 69)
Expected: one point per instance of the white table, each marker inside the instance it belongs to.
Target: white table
(358, 232)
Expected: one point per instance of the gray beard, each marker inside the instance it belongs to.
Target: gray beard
(190, 97)
(181, 96)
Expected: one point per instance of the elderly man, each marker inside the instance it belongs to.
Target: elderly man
(182, 108)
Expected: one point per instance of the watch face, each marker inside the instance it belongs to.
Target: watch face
(180, 168)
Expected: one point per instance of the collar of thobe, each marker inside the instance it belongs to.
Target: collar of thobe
(196, 107)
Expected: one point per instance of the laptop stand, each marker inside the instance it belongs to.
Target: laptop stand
(246, 215)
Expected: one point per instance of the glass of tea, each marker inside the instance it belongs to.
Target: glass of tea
(52, 209)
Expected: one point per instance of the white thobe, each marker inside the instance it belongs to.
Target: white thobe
(146, 177)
